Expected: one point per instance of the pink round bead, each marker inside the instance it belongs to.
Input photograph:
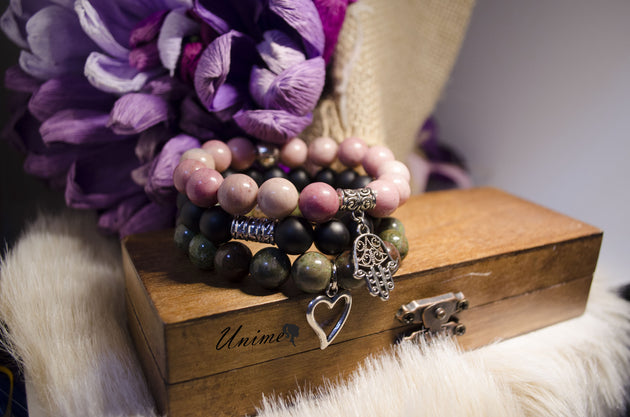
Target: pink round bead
(293, 154)
(202, 187)
(387, 198)
(352, 151)
(401, 184)
(393, 168)
(220, 152)
(277, 198)
(318, 202)
(323, 151)
(183, 171)
(375, 157)
(200, 155)
(237, 194)
(243, 153)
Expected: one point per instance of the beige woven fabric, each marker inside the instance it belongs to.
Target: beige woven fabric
(391, 63)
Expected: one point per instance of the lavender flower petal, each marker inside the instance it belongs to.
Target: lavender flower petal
(13, 28)
(216, 63)
(39, 68)
(279, 51)
(150, 141)
(17, 80)
(78, 127)
(298, 88)
(159, 186)
(214, 21)
(259, 83)
(97, 30)
(242, 15)
(101, 180)
(67, 31)
(114, 76)
(135, 112)
(65, 93)
(276, 126)
(113, 219)
(302, 16)
(55, 164)
(152, 216)
(148, 29)
(332, 14)
(176, 27)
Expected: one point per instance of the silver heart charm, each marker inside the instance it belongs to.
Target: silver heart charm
(325, 340)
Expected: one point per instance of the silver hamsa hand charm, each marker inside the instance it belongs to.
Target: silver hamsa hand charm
(373, 263)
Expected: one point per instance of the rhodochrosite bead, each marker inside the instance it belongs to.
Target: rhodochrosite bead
(402, 185)
(183, 171)
(243, 153)
(202, 187)
(323, 151)
(294, 153)
(200, 155)
(375, 157)
(318, 202)
(220, 153)
(393, 168)
(237, 194)
(277, 198)
(352, 151)
(387, 198)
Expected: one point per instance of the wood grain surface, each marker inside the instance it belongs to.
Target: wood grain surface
(520, 266)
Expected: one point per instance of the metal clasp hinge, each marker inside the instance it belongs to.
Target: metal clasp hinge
(434, 315)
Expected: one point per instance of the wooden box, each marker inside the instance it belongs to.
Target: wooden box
(209, 347)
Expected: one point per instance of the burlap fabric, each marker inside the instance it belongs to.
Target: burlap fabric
(391, 63)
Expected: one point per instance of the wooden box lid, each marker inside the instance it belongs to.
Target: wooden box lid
(499, 250)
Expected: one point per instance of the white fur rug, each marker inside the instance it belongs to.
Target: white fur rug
(62, 297)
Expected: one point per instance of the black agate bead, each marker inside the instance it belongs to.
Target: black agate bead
(346, 178)
(332, 237)
(232, 261)
(299, 177)
(215, 224)
(326, 175)
(294, 235)
(189, 216)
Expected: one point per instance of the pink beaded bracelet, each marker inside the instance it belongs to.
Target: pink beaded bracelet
(198, 175)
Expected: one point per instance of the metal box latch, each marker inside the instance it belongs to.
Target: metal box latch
(434, 315)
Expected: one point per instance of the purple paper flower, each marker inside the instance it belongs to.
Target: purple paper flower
(109, 94)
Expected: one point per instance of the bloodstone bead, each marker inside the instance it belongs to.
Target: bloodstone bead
(397, 239)
(332, 237)
(274, 172)
(393, 252)
(189, 216)
(299, 177)
(215, 224)
(345, 178)
(270, 267)
(182, 237)
(294, 235)
(390, 223)
(256, 175)
(361, 182)
(344, 270)
(201, 252)
(327, 176)
(311, 272)
(232, 261)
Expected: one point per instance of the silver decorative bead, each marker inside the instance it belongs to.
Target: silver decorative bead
(254, 229)
(361, 199)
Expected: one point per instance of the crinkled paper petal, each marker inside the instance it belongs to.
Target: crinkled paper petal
(298, 88)
(159, 186)
(302, 16)
(152, 216)
(102, 180)
(13, 28)
(52, 164)
(332, 14)
(115, 76)
(35, 66)
(78, 127)
(176, 27)
(135, 112)
(112, 220)
(204, 125)
(97, 30)
(259, 83)
(150, 141)
(17, 80)
(275, 126)
(279, 51)
(148, 29)
(65, 93)
(223, 16)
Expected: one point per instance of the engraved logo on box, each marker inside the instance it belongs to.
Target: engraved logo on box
(234, 338)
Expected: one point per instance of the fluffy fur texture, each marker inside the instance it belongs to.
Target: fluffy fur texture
(61, 296)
